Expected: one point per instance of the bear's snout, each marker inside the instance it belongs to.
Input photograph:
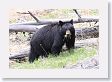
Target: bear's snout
(67, 34)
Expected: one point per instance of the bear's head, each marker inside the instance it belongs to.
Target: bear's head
(66, 28)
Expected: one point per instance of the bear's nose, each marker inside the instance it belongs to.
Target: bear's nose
(68, 33)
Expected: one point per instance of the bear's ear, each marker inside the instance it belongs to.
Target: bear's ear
(60, 23)
(71, 21)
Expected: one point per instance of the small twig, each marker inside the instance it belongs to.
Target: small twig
(30, 14)
(79, 16)
(33, 16)
(22, 13)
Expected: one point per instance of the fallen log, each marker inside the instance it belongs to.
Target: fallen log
(54, 21)
(22, 28)
(20, 55)
(80, 33)
(85, 33)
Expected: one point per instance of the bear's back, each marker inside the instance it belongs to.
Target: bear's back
(45, 32)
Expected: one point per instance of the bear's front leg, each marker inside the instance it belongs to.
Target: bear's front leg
(55, 50)
(57, 45)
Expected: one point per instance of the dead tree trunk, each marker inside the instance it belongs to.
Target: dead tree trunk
(19, 55)
(31, 26)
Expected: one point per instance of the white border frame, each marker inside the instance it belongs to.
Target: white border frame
(102, 72)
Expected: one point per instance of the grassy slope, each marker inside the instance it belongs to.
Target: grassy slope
(63, 59)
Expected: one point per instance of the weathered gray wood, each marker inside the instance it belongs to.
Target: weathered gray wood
(22, 28)
(31, 26)
(79, 32)
(22, 54)
(43, 22)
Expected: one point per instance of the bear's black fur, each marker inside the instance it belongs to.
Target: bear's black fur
(50, 39)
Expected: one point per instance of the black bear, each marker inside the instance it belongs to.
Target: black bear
(51, 38)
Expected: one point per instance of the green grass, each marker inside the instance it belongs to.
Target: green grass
(63, 59)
